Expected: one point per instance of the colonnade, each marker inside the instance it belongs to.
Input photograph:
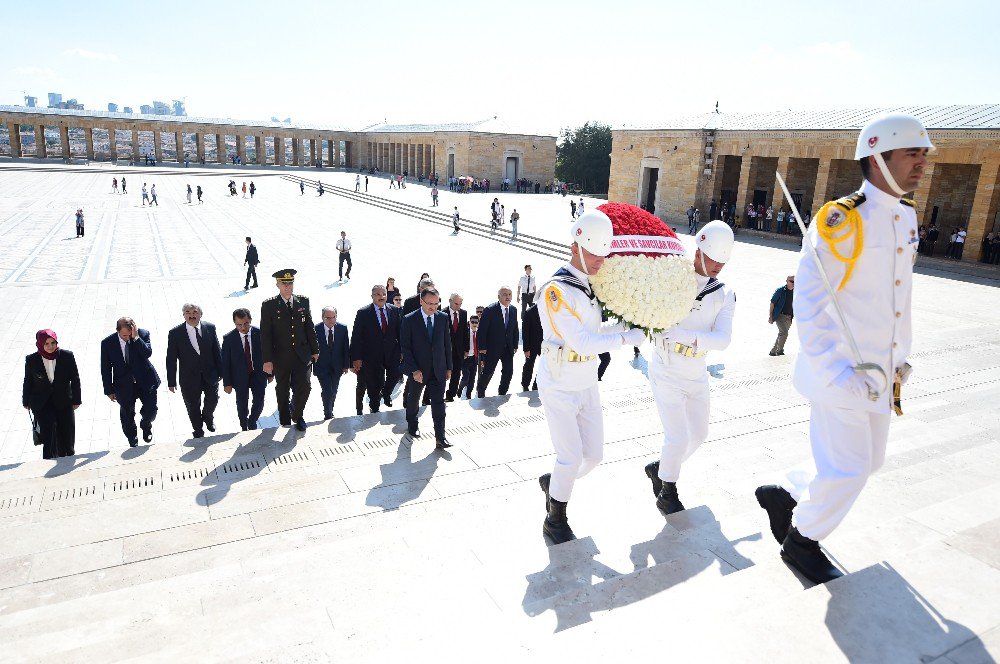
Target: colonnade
(393, 157)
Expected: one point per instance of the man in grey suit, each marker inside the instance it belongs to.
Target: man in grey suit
(196, 346)
(425, 339)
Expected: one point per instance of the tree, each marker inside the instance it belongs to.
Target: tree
(583, 156)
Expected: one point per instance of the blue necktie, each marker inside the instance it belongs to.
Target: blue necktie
(430, 329)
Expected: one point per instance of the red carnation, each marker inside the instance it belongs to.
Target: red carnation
(629, 220)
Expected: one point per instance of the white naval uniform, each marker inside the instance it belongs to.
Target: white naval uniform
(680, 383)
(848, 433)
(568, 390)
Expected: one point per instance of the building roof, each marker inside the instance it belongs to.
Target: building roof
(981, 116)
(492, 125)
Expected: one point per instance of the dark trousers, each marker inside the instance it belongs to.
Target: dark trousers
(345, 258)
(526, 300)
(379, 383)
(291, 375)
(527, 370)
(470, 366)
(456, 376)
(411, 399)
(251, 273)
(197, 413)
(603, 365)
(79, 230)
(147, 413)
(359, 392)
(58, 430)
(506, 360)
(247, 412)
(329, 382)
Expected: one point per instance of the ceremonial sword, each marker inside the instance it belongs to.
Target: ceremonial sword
(860, 365)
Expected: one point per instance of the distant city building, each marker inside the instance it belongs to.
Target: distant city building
(72, 104)
(30, 102)
(275, 119)
(128, 109)
(160, 108)
(179, 107)
(112, 107)
(146, 109)
(55, 99)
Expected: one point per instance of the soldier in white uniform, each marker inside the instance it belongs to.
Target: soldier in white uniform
(572, 337)
(678, 375)
(867, 244)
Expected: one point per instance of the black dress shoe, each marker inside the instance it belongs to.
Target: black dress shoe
(243, 427)
(210, 425)
(442, 444)
(652, 471)
(805, 555)
(198, 434)
(387, 401)
(147, 435)
(556, 526)
(778, 504)
(449, 399)
(133, 442)
(414, 433)
(300, 424)
(327, 416)
(772, 354)
(667, 500)
(285, 423)
(360, 412)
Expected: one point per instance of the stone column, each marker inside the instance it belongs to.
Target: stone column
(241, 148)
(921, 195)
(349, 154)
(279, 150)
(135, 146)
(199, 147)
(112, 145)
(179, 140)
(261, 148)
(296, 151)
(742, 195)
(40, 150)
(15, 139)
(979, 217)
(220, 148)
(88, 136)
(821, 193)
(336, 154)
(158, 145)
(64, 141)
(778, 196)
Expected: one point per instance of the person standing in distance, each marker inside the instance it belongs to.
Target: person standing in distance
(195, 345)
(525, 288)
(251, 261)
(567, 372)
(128, 375)
(427, 360)
(241, 369)
(288, 347)
(850, 408)
(455, 218)
(344, 248)
(781, 312)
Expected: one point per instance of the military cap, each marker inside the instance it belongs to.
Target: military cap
(286, 276)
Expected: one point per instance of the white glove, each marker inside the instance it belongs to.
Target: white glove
(613, 328)
(633, 337)
(904, 372)
(682, 336)
(858, 384)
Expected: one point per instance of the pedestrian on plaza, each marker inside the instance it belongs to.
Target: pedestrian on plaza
(425, 342)
(514, 218)
(79, 222)
(288, 347)
(334, 358)
(244, 188)
(455, 218)
(319, 188)
(253, 189)
(194, 345)
(344, 249)
(768, 217)
(375, 352)
(498, 336)
(128, 375)
(781, 314)
(470, 360)
(302, 188)
(366, 184)
(932, 237)
(950, 253)
(51, 392)
(198, 192)
(579, 208)
(525, 288)
(114, 185)
(458, 327)
(145, 194)
(690, 216)
(713, 210)
(391, 292)
(434, 196)
(241, 369)
(123, 185)
(850, 407)
(572, 209)
(189, 194)
(251, 260)
(152, 195)
(960, 243)
(357, 183)
(781, 222)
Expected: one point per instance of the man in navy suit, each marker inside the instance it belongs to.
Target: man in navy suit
(251, 261)
(128, 375)
(375, 352)
(425, 339)
(242, 369)
(498, 338)
(334, 357)
(195, 345)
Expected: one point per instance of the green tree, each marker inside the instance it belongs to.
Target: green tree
(583, 156)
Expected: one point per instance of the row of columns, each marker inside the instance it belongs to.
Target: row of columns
(416, 159)
(335, 155)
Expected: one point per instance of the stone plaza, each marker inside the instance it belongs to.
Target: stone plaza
(353, 542)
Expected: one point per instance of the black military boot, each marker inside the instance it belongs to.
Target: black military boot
(667, 501)
(652, 469)
(778, 504)
(543, 482)
(555, 526)
(805, 555)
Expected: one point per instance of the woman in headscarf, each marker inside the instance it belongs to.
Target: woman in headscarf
(52, 392)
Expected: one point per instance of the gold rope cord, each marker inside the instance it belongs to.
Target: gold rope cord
(850, 229)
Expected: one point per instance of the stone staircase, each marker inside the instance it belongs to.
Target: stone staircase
(353, 542)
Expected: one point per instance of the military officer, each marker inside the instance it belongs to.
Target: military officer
(678, 375)
(572, 337)
(867, 244)
(289, 347)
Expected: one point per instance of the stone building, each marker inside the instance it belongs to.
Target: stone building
(487, 149)
(733, 158)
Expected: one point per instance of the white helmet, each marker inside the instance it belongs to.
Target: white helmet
(715, 240)
(893, 131)
(593, 231)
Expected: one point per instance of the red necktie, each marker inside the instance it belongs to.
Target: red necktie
(454, 322)
(385, 324)
(246, 353)
(475, 346)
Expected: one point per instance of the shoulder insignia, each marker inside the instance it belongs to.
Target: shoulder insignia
(851, 202)
(908, 202)
(836, 216)
(271, 298)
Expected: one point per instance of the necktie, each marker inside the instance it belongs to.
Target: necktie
(197, 336)
(430, 329)
(505, 318)
(475, 346)
(383, 321)
(329, 339)
(125, 353)
(454, 322)
(246, 353)
(288, 305)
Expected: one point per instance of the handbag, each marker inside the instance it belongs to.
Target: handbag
(36, 429)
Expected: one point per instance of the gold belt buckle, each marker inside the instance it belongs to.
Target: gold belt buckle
(686, 351)
(573, 356)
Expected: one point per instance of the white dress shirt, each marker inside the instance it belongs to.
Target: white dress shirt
(50, 368)
(343, 244)
(123, 344)
(526, 285)
(192, 335)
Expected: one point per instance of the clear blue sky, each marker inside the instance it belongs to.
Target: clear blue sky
(541, 64)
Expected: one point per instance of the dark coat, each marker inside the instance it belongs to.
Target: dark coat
(119, 378)
(195, 367)
(493, 338)
(336, 358)
(369, 344)
(432, 358)
(286, 337)
(459, 338)
(234, 364)
(251, 258)
(64, 390)
(532, 333)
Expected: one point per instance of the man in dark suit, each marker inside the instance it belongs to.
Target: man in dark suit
(251, 261)
(375, 352)
(532, 344)
(498, 339)
(288, 347)
(470, 359)
(427, 361)
(412, 303)
(458, 327)
(334, 357)
(128, 375)
(195, 345)
(242, 369)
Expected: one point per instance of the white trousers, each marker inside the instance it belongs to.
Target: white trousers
(576, 424)
(847, 447)
(683, 404)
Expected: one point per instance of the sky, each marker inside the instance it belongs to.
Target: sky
(539, 66)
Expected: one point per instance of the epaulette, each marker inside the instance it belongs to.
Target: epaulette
(853, 201)
(908, 202)
(271, 298)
